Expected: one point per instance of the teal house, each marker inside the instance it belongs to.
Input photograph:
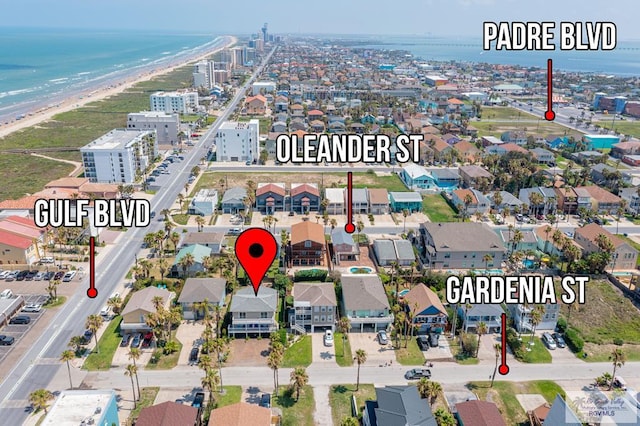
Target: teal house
(400, 201)
(417, 177)
(600, 141)
(198, 252)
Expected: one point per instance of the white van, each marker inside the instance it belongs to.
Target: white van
(6, 294)
(105, 311)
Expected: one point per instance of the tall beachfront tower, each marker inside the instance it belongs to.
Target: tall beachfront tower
(264, 32)
(117, 156)
(238, 141)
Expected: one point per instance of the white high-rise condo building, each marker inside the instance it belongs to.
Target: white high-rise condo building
(204, 74)
(238, 141)
(165, 125)
(171, 102)
(116, 156)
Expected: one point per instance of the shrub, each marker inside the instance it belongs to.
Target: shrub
(310, 275)
(469, 343)
(618, 341)
(512, 340)
(562, 325)
(575, 342)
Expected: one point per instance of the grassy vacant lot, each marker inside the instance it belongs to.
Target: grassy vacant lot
(74, 129)
(107, 345)
(166, 362)
(298, 354)
(360, 180)
(505, 113)
(295, 413)
(458, 355)
(503, 394)
(624, 127)
(147, 396)
(347, 359)
(539, 353)
(340, 400)
(437, 208)
(26, 174)
(411, 355)
(497, 120)
(605, 316)
(265, 123)
(232, 395)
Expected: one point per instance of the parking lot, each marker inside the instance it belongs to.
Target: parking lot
(17, 331)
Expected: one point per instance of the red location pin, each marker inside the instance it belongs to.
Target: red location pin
(256, 249)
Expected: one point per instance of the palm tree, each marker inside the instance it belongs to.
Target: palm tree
(433, 390)
(174, 237)
(200, 221)
(486, 259)
(219, 346)
(481, 330)
(186, 262)
(497, 348)
(405, 213)
(40, 399)
(166, 213)
(274, 360)
(135, 354)
(67, 356)
(344, 325)
(618, 358)
(299, 378)
(93, 323)
(361, 358)
(468, 200)
(162, 267)
(210, 382)
(131, 371)
(536, 317)
(518, 236)
(547, 231)
(423, 387)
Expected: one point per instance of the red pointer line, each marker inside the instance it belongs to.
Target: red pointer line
(504, 368)
(92, 292)
(549, 115)
(349, 228)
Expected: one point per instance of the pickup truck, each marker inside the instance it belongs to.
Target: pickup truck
(417, 373)
(198, 400)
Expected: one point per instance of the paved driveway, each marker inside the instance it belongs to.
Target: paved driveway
(189, 333)
(376, 353)
(322, 354)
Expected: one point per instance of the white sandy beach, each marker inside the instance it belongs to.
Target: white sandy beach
(78, 99)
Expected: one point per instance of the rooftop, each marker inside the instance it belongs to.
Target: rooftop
(72, 407)
(465, 236)
(363, 292)
(116, 139)
(317, 294)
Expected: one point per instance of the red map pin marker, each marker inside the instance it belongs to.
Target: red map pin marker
(256, 249)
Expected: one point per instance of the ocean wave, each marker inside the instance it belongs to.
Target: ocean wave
(84, 73)
(18, 92)
(59, 80)
(166, 53)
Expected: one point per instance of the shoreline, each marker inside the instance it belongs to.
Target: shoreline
(80, 98)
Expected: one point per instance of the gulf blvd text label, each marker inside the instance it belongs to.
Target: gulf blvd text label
(533, 290)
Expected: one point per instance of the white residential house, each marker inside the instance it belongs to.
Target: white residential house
(116, 156)
(204, 203)
(335, 197)
(238, 141)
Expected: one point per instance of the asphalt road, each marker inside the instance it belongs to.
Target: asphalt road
(40, 363)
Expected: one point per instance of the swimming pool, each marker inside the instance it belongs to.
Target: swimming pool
(361, 270)
(403, 292)
(487, 271)
(622, 274)
(528, 263)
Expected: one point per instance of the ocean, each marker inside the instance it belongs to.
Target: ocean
(624, 60)
(40, 64)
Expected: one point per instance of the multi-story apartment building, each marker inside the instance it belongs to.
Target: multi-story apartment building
(166, 125)
(315, 306)
(170, 102)
(116, 156)
(238, 141)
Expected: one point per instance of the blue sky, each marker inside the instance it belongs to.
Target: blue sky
(437, 17)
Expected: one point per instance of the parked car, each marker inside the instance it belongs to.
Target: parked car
(519, 217)
(59, 275)
(68, 276)
(20, 319)
(433, 340)
(137, 338)
(383, 339)
(88, 334)
(198, 400)
(39, 276)
(46, 260)
(32, 307)
(548, 341)
(328, 338)
(6, 294)
(559, 340)
(265, 400)
(193, 355)
(423, 343)
(22, 275)
(234, 231)
(3, 274)
(125, 340)
(147, 339)
(48, 276)
(6, 340)
(30, 275)
(417, 373)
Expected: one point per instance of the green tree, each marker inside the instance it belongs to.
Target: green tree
(299, 378)
(618, 358)
(210, 382)
(134, 355)
(67, 356)
(481, 330)
(497, 348)
(39, 399)
(93, 323)
(360, 358)
(274, 361)
(131, 371)
(344, 325)
(186, 262)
